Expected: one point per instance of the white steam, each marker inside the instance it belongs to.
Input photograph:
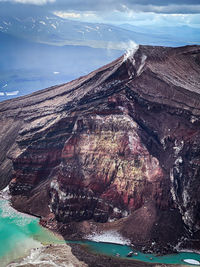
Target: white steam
(131, 49)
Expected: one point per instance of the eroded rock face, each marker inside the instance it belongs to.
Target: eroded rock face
(118, 145)
(105, 172)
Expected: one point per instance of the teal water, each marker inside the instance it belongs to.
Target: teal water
(113, 249)
(19, 233)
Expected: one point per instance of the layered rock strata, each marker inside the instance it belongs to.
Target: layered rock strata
(119, 146)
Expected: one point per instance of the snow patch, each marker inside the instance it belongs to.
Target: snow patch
(186, 197)
(191, 261)
(193, 119)
(163, 142)
(12, 93)
(42, 22)
(62, 195)
(54, 26)
(116, 210)
(18, 19)
(178, 160)
(90, 28)
(5, 193)
(178, 147)
(172, 188)
(54, 185)
(109, 237)
(82, 32)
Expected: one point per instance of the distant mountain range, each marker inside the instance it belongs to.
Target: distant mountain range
(170, 35)
(27, 66)
(57, 31)
(37, 51)
(51, 29)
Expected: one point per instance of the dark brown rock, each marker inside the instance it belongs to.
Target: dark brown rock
(120, 144)
(100, 260)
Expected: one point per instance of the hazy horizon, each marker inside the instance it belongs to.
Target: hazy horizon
(41, 39)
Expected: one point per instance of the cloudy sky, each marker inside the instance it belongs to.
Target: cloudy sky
(137, 12)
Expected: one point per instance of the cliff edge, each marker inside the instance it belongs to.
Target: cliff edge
(116, 149)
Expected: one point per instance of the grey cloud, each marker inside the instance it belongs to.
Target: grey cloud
(170, 9)
(163, 3)
(156, 6)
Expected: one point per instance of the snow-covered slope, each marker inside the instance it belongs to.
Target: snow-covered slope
(54, 30)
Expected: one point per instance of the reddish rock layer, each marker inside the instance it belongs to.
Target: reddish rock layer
(121, 144)
(105, 171)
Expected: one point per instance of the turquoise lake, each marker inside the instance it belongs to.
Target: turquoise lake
(19, 233)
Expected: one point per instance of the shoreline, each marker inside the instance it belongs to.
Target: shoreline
(49, 255)
(51, 239)
(99, 260)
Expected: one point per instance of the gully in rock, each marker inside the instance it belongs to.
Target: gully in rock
(116, 149)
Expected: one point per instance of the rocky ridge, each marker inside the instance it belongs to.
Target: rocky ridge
(119, 147)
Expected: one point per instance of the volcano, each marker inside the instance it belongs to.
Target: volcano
(116, 149)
